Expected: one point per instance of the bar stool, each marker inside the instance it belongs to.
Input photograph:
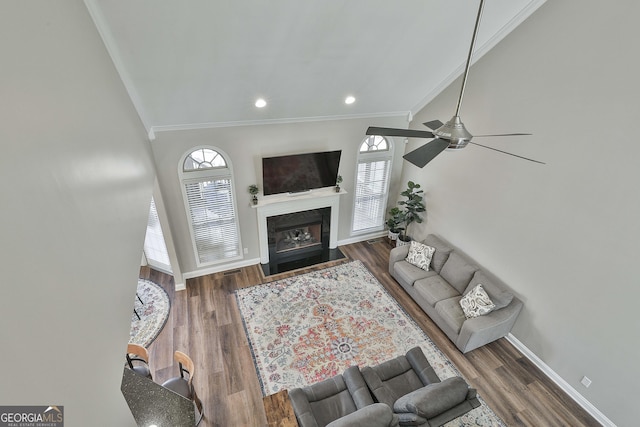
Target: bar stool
(184, 386)
(138, 360)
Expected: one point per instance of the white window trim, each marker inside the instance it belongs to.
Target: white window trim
(371, 156)
(154, 243)
(198, 175)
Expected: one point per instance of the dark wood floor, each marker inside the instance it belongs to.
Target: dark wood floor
(205, 323)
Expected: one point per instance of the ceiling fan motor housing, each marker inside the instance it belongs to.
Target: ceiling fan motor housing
(454, 132)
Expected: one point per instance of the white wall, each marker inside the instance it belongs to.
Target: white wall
(564, 236)
(76, 184)
(246, 145)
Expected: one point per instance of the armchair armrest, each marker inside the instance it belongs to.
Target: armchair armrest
(357, 387)
(302, 408)
(375, 415)
(433, 399)
(421, 366)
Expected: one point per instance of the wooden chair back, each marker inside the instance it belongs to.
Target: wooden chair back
(138, 352)
(186, 365)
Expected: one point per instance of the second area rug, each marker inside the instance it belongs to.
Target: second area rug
(150, 312)
(313, 326)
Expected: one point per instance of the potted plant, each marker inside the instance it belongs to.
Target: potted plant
(338, 181)
(413, 206)
(396, 218)
(253, 190)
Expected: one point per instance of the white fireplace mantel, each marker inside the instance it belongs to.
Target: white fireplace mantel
(281, 204)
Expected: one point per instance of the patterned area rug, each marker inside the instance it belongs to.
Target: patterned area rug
(153, 308)
(313, 326)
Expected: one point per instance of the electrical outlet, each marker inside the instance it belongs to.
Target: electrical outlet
(585, 382)
(246, 251)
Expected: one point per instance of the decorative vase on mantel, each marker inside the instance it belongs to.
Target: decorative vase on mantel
(253, 190)
(338, 182)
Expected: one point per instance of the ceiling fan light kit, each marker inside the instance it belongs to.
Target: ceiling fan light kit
(452, 135)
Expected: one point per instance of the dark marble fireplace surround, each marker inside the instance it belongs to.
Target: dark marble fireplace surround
(299, 239)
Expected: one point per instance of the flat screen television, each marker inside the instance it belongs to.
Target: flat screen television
(299, 172)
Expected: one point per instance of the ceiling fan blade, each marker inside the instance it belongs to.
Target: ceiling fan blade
(504, 152)
(423, 155)
(504, 134)
(433, 124)
(407, 133)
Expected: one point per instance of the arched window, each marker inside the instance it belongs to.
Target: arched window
(207, 186)
(372, 184)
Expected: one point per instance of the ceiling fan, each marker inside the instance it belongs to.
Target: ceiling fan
(451, 135)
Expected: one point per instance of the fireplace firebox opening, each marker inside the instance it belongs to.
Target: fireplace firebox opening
(299, 239)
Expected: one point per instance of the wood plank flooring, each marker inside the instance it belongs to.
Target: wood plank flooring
(205, 323)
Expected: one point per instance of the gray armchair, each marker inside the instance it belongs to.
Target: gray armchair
(341, 401)
(410, 386)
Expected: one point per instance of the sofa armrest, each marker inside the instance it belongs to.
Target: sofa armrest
(375, 415)
(482, 330)
(397, 254)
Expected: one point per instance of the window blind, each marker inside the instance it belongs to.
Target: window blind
(213, 219)
(371, 194)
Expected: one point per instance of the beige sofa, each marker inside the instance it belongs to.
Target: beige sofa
(438, 292)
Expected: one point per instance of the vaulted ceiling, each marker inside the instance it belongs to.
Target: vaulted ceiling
(201, 63)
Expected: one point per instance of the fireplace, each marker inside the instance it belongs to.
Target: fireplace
(295, 237)
(298, 238)
(298, 231)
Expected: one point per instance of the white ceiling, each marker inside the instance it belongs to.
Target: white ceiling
(203, 63)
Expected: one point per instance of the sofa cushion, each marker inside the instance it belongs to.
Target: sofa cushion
(476, 303)
(409, 273)
(458, 272)
(451, 313)
(420, 255)
(498, 294)
(441, 254)
(434, 289)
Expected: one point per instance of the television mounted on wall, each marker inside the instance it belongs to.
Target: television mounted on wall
(296, 173)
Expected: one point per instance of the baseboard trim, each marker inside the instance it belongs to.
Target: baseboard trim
(220, 268)
(565, 386)
(248, 262)
(362, 237)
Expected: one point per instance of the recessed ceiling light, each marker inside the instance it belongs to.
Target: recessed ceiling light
(260, 103)
(349, 100)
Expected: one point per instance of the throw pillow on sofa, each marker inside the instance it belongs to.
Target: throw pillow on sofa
(476, 303)
(500, 296)
(420, 255)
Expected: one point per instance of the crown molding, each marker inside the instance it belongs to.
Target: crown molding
(292, 120)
